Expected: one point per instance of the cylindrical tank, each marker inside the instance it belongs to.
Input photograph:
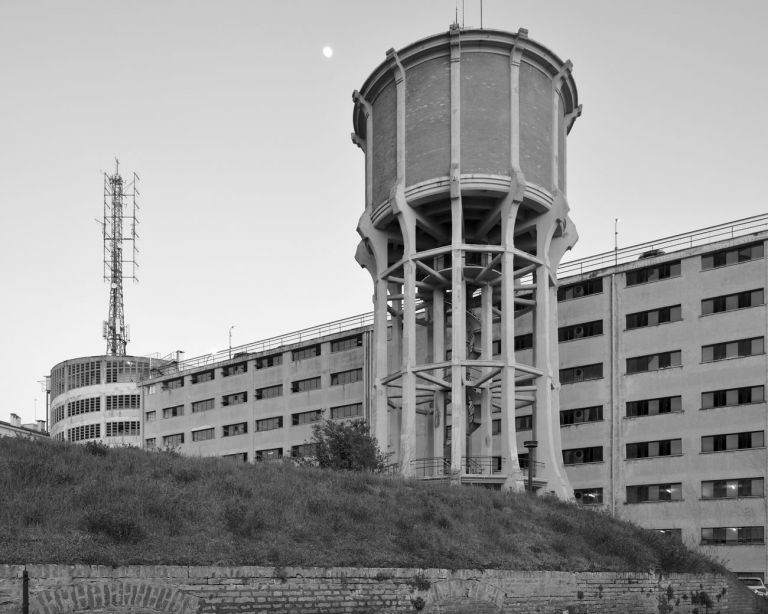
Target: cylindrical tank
(465, 223)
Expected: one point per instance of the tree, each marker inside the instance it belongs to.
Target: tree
(347, 445)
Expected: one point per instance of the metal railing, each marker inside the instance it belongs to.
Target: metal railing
(306, 334)
(525, 463)
(702, 236)
(439, 466)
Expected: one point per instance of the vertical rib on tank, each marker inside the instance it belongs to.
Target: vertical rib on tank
(464, 226)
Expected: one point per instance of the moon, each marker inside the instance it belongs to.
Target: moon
(328, 51)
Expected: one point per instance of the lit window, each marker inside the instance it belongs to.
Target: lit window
(732, 489)
(654, 492)
(731, 536)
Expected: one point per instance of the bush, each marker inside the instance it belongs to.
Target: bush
(347, 446)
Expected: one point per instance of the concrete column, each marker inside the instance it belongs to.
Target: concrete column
(408, 419)
(438, 355)
(486, 353)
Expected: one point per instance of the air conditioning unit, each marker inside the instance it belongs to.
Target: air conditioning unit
(578, 291)
(578, 454)
(578, 374)
(578, 415)
(578, 332)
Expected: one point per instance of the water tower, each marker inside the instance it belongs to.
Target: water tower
(465, 222)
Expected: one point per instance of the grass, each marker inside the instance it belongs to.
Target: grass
(64, 503)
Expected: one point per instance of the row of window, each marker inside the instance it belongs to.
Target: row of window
(263, 362)
(730, 397)
(664, 270)
(268, 454)
(710, 489)
(669, 447)
(665, 360)
(350, 410)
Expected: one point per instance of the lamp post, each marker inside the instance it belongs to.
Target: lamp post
(616, 240)
(530, 445)
(230, 340)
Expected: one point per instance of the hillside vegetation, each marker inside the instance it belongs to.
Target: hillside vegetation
(64, 503)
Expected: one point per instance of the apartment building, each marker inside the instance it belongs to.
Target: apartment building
(662, 390)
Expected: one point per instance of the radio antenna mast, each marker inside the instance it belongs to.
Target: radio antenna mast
(119, 229)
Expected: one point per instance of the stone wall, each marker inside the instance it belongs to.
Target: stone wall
(61, 589)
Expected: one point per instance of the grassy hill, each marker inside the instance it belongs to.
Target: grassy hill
(63, 503)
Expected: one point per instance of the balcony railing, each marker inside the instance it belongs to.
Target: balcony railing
(439, 466)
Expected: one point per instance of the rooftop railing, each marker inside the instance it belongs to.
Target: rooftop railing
(299, 336)
(721, 232)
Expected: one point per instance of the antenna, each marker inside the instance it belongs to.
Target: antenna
(118, 228)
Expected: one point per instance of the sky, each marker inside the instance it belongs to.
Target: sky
(250, 187)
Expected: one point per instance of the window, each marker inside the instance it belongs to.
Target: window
(236, 369)
(496, 347)
(83, 374)
(523, 342)
(151, 416)
(303, 385)
(653, 273)
(731, 536)
(581, 415)
(171, 441)
(732, 396)
(119, 370)
(268, 455)
(732, 349)
(234, 399)
(203, 376)
(83, 406)
(654, 362)
(127, 428)
(269, 361)
(496, 427)
(237, 456)
(269, 392)
(654, 492)
(173, 412)
(588, 496)
(347, 411)
(577, 331)
(57, 414)
(173, 383)
(577, 456)
(732, 441)
(522, 423)
(348, 343)
(654, 317)
(731, 489)
(729, 302)
(346, 377)
(123, 401)
(584, 288)
(734, 255)
(304, 450)
(269, 424)
(150, 443)
(573, 375)
(230, 430)
(649, 449)
(306, 352)
(87, 431)
(204, 405)
(306, 417)
(203, 434)
(654, 407)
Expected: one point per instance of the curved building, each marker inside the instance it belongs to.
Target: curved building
(97, 398)
(465, 222)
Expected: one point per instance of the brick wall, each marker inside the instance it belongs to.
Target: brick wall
(60, 589)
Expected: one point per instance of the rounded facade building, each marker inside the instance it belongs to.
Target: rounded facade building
(97, 398)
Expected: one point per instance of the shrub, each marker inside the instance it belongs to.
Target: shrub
(347, 446)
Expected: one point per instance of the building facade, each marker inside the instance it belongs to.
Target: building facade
(662, 381)
(15, 428)
(97, 398)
